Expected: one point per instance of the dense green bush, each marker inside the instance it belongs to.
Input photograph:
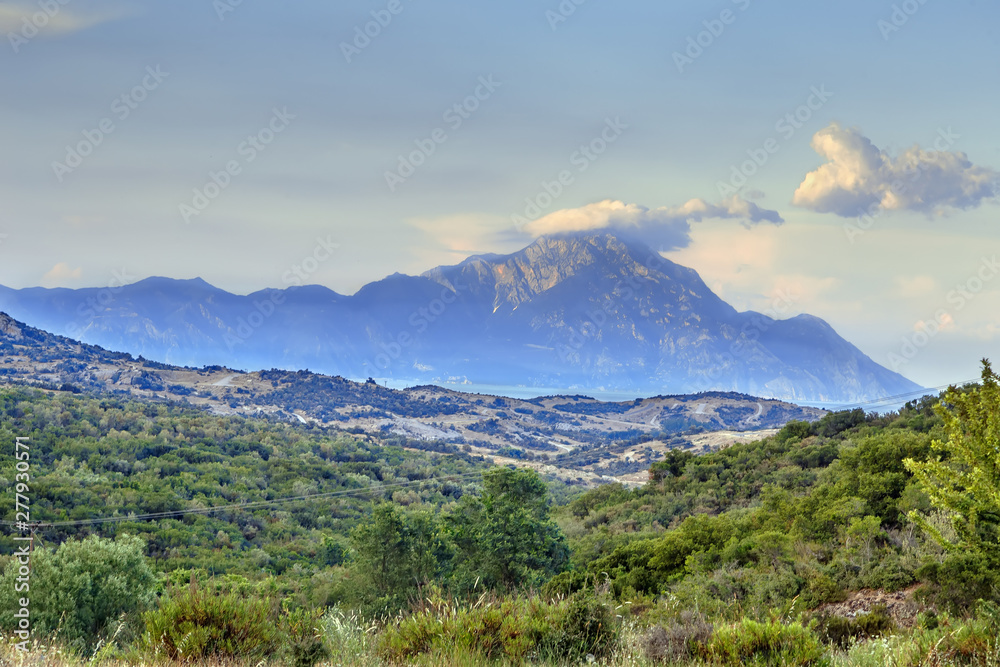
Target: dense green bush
(195, 624)
(958, 581)
(304, 637)
(508, 629)
(769, 643)
(588, 626)
(81, 589)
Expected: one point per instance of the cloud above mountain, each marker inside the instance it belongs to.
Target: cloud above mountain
(667, 227)
(859, 177)
(60, 275)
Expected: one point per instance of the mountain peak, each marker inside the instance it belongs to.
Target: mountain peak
(575, 311)
(162, 281)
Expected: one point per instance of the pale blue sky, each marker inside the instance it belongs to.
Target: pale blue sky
(323, 175)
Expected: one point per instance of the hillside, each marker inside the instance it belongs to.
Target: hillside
(586, 311)
(574, 436)
(793, 549)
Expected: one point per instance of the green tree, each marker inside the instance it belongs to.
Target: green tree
(81, 588)
(506, 539)
(395, 554)
(963, 480)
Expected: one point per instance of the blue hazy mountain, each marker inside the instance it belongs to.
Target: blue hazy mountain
(584, 311)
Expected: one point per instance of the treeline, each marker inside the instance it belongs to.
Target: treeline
(322, 396)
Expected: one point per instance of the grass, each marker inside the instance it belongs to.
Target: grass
(493, 633)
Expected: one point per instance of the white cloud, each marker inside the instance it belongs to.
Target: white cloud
(13, 17)
(666, 227)
(455, 237)
(60, 274)
(858, 177)
(915, 287)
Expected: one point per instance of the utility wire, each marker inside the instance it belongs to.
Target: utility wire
(238, 506)
(375, 488)
(897, 397)
(351, 492)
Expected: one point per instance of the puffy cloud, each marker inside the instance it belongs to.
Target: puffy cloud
(858, 177)
(60, 274)
(665, 227)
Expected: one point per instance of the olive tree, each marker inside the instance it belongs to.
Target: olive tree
(81, 588)
(962, 476)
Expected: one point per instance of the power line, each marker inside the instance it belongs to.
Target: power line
(360, 491)
(239, 506)
(265, 503)
(897, 397)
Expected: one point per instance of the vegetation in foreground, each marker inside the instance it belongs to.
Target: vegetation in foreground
(747, 556)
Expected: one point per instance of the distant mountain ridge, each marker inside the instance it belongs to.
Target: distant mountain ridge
(584, 311)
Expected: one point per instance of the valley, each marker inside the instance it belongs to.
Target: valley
(573, 437)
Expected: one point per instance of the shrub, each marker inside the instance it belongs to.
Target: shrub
(81, 588)
(770, 643)
(821, 588)
(194, 625)
(507, 630)
(512, 630)
(972, 642)
(588, 627)
(305, 638)
(566, 583)
(411, 636)
(840, 631)
(959, 581)
(681, 640)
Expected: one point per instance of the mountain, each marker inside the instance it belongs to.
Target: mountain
(585, 311)
(572, 436)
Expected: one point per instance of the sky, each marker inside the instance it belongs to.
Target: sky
(839, 159)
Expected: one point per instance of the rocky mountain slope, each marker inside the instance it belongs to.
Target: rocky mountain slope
(583, 312)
